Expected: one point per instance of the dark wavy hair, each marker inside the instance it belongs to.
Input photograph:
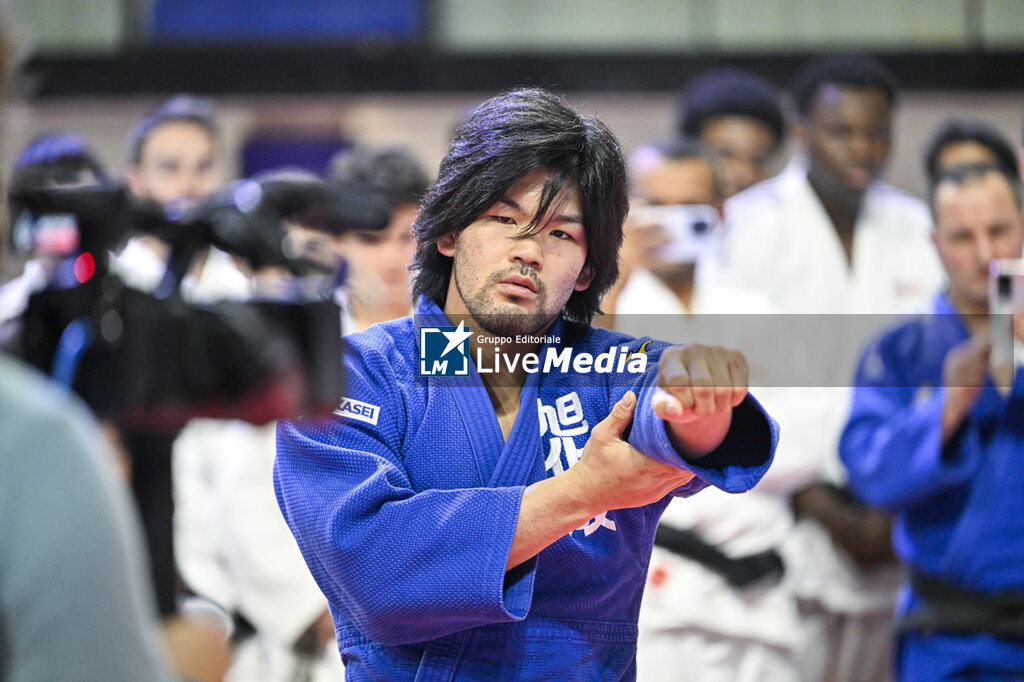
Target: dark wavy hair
(731, 92)
(392, 171)
(504, 139)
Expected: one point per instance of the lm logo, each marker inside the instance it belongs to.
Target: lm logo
(444, 351)
(354, 409)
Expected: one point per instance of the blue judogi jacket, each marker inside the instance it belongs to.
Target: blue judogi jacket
(959, 508)
(405, 511)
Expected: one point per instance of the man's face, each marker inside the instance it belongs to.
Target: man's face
(659, 181)
(976, 222)
(847, 137)
(381, 259)
(511, 283)
(745, 148)
(664, 182)
(177, 165)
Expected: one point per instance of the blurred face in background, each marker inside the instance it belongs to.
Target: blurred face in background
(379, 261)
(661, 181)
(745, 148)
(975, 222)
(847, 137)
(177, 165)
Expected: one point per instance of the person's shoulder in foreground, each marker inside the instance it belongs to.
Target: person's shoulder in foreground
(74, 602)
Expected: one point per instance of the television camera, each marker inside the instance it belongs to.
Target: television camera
(152, 361)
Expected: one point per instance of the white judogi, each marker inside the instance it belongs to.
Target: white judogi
(693, 624)
(234, 547)
(780, 241)
(218, 280)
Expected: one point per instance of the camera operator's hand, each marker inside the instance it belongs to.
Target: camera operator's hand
(698, 386)
(963, 376)
(640, 238)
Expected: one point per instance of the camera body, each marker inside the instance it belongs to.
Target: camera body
(689, 229)
(154, 361)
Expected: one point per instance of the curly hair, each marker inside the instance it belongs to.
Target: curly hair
(850, 71)
(731, 92)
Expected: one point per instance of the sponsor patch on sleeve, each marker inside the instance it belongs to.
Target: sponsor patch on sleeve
(354, 409)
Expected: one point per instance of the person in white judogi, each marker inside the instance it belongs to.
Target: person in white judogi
(825, 237)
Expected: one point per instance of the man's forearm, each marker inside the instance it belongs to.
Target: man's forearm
(550, 509)
(611, 474)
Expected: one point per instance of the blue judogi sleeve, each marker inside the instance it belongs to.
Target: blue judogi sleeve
(403, 566)
(736, 465)
(892, 444)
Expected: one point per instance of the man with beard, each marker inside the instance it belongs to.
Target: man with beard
(934, 436)
(493, 518)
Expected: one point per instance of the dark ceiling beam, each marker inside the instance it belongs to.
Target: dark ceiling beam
(279, 69)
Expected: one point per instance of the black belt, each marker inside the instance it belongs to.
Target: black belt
(949, 608)
(738, 572)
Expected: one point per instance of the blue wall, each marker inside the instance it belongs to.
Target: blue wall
(232, 21)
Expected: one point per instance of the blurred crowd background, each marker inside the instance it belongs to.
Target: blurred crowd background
(371, 92)
(401, 71)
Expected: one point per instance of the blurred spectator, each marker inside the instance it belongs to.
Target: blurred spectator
(825, 237)
(174, 161)
(66, 157)
(655, 257)
(55, 159)
(826, 218)
(738, 115)
(378, 286)
(233, 546)
(960, 141)
(931, 439)
(172, 152)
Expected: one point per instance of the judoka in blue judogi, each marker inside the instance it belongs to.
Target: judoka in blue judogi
(498, 525)
(932, 439)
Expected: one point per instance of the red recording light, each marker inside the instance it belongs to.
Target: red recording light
(85, 267)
